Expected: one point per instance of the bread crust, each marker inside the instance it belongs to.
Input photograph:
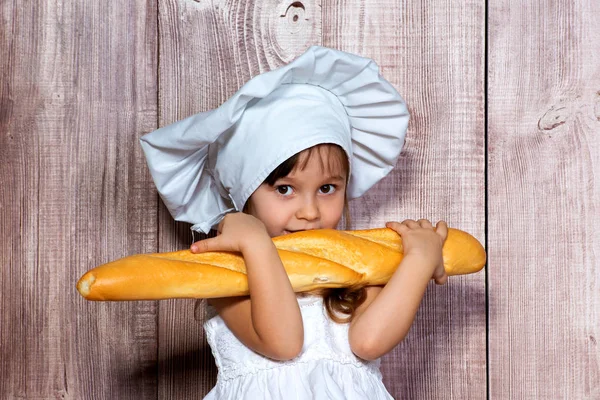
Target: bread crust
(312, 259)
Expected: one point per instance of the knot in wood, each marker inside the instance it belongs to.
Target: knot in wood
(294, 15)
(553, 118)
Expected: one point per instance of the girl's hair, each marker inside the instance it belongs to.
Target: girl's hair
(337, 301)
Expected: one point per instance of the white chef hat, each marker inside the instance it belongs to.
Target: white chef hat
(209, 164)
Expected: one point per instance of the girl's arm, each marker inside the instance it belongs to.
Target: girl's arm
(269, 321)
(387, 314)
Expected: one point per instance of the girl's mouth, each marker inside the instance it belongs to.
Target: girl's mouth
(286, 232)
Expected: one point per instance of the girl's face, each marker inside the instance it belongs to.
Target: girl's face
(311, 196)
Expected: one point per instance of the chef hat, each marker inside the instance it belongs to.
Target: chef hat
(209, 164)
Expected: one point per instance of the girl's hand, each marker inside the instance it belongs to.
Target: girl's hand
(235, 233)
(419, 238)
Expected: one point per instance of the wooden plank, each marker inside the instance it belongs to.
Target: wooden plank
(78, 89)
(238, 41)
(433, 53)
(230, 54)
(544, 192)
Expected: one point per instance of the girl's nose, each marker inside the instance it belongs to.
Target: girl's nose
(309, 210)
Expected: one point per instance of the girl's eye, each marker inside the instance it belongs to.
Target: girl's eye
(284, 190)
(326, 189)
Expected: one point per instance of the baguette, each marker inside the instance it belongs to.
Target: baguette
(313, 259)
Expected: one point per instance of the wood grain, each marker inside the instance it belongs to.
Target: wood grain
(456, 113)
(78, 88)
(544, 191)
(239, 40)
(433, 53)
(194, 75)
(79, 84)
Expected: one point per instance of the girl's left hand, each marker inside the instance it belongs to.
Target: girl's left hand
(421, 239)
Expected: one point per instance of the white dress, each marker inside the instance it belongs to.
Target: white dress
(325, 369)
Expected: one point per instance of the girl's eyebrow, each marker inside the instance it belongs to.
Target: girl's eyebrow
(334, 177)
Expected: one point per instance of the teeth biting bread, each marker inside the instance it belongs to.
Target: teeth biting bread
(312, 259)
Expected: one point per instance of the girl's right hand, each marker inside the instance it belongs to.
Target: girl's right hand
(420, 239)
(235, 233)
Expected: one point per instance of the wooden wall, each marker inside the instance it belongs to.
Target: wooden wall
(544, 199)
(504, 142)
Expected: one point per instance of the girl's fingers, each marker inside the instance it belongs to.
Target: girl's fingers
(203, 246)
(441, 280)
(410, 223)
(397, 226)
(424, 223)
(439, 275)
(441, 228)
(393, 225)
(220, 226)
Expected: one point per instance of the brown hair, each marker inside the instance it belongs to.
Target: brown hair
(337, 301)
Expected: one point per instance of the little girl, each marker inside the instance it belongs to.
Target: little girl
(285, 154)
